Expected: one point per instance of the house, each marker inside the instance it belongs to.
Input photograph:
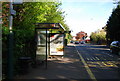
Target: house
(81, 36)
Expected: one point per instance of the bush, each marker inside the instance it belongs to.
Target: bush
(98, 38)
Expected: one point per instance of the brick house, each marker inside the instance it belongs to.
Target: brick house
(81, 36)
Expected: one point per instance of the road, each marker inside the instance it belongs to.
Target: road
(101, 64)
(81, 62)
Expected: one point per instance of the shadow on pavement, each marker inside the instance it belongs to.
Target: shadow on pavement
(70, 68)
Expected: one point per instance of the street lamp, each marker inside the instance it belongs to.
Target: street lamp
(11, 34)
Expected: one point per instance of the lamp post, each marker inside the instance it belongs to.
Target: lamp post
(10, 44)
(10, 63)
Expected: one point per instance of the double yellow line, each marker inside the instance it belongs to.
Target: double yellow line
(86, 66)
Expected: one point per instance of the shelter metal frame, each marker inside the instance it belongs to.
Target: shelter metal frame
(46, 27)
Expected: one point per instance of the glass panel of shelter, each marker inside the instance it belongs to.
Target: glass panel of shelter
(42, 40)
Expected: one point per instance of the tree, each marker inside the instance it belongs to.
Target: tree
(5, 32)
(98, 37)
(29, 13)
(113, 25)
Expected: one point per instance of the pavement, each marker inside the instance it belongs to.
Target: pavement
(70, 67)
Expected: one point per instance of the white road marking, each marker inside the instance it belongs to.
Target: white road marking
(107, 54)
(93, 58)
(88, 59)
(97, 58)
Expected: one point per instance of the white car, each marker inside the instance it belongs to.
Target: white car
(115, 47)
(82, 42)
(76, 42)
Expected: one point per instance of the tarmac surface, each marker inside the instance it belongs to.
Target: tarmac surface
(68, 67)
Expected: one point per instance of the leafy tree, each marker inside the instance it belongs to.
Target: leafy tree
(113, 25)
(27, 14)
(5, 32)
(98, 37)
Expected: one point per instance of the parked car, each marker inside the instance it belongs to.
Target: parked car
(82, 42)
(71, 41)
(115, 47)
(76, 42)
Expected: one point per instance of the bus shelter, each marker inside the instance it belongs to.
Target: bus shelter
(50, 40)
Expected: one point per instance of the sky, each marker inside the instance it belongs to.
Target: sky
(87, 15)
